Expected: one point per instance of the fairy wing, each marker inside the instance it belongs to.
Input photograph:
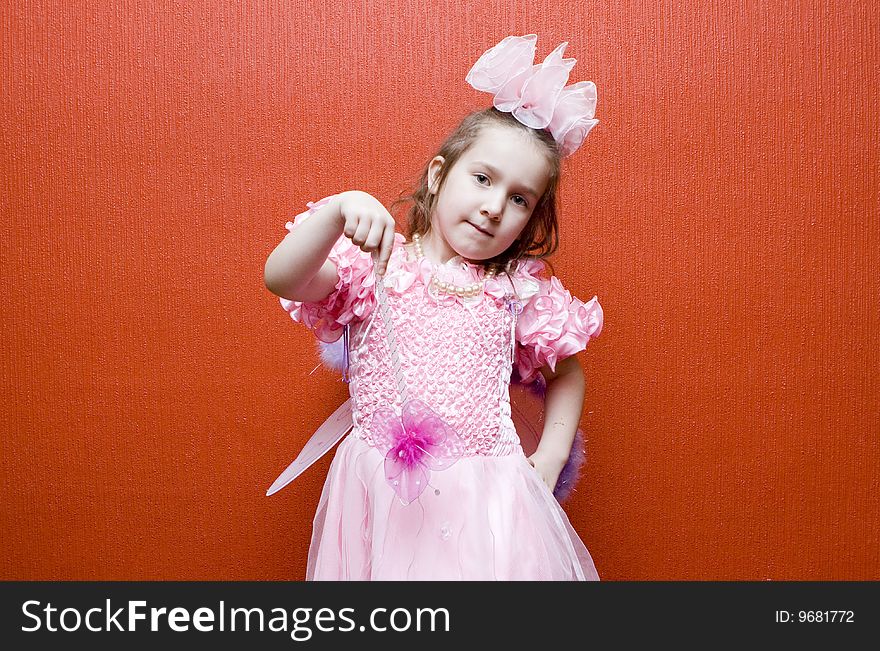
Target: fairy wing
(334, 428)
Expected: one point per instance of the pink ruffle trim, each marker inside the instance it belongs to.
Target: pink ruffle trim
(351, 300)
(553, 325)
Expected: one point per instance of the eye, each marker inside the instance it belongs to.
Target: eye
(524, 204)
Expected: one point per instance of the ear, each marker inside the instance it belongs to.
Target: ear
(434, 168)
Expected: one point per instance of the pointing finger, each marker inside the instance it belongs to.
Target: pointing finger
(386, 248)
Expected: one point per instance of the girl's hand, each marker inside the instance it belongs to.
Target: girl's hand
(548, 468)
(368, 224)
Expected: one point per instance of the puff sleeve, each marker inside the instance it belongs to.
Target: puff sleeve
(351, 300)
(553, 325)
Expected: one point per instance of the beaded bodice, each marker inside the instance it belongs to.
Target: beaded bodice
(455, 355)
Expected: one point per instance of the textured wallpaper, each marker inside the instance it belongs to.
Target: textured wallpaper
(724, 211)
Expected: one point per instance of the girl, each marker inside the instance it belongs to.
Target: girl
(432, 482)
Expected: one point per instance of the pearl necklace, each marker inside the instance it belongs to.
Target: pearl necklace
(449, 288)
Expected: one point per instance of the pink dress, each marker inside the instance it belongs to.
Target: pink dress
(488, 516)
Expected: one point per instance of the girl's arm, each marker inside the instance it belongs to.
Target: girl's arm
(298, 268)
(563, 405)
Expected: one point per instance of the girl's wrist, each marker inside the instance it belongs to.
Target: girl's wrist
(553, 454)
(335, 210)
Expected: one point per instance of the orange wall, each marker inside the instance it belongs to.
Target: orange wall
(725, 211)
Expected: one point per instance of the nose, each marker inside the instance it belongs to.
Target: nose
(493, 206)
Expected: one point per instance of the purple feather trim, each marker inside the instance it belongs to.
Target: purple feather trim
(333, 354)
(571, 471)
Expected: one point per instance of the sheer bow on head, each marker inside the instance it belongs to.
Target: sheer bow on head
(536, 95)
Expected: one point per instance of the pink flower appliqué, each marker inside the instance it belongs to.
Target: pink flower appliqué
(414, 444)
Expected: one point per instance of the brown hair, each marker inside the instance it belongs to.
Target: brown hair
(540, 237)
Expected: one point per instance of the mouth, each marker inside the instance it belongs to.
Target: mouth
(486, 233)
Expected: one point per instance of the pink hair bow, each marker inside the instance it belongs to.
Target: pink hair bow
(536, 95)
(414, 444)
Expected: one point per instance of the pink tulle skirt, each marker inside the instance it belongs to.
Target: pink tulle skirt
(484, 518)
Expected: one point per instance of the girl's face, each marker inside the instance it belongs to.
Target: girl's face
(488, 196)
